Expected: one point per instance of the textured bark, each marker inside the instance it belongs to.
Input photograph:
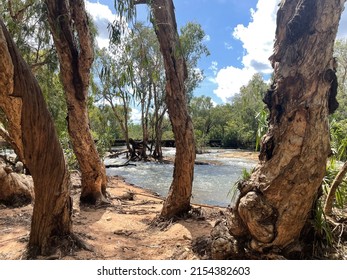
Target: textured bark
(328, 206)
(178, 199)
(31, 128)
(69, 26)
(275, 202)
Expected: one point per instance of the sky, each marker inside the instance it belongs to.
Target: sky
(239, 36)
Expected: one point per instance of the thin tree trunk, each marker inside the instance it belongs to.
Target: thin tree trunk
(144, 124)
(126, 127)
(178, 199)
(122, 122)
(158, 137)
(69, 25)
(275, 202)
(328, 206)
(31, 128)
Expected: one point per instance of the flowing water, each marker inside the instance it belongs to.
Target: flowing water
(212, 183)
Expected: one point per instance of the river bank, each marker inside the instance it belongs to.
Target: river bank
(123, 230)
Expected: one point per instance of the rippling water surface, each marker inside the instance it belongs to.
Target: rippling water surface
(212, 183)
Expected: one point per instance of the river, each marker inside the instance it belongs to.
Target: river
(212, 183)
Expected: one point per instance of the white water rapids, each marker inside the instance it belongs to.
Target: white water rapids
(212, 183)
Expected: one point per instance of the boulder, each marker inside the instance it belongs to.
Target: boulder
(15, 189)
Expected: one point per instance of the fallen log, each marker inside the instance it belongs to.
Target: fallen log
(127, 163)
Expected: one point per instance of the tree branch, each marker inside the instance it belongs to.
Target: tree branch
(18, 15)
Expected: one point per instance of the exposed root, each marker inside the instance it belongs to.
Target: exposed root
(61, 247)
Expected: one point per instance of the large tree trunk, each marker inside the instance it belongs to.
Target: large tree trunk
(275, 202)
(32, 130)
(178, 199)
(69, 25)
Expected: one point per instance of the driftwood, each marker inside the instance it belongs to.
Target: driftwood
(115, 154)
(138, 149)
(126, 163)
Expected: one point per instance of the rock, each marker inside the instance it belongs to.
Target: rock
(15, 189)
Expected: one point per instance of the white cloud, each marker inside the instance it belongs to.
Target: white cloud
(230, 80)
(102, 16)
(214, 67)
(257, 39)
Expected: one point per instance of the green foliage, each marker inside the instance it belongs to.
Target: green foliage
(135, 131)
(200, 141)
(27, 23)
(333, 168)
(239, 124)
(53, 92)
(201, 112)
(245, 121)
(338, 132)
(323, 234)
(338, 129)
(105, 128)
(234, 191)
(193, 48)
(261, 117)
(330, 174)
(70, 157)
(246, 107)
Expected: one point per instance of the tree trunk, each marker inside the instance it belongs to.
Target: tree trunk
(158, 125)
(275, 202)
(144, 124)
(178, 199)
(328, 206)
(158, 152)
(69, 25)
(125, 127)
(32, 129)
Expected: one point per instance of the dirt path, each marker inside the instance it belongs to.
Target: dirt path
(122, 230)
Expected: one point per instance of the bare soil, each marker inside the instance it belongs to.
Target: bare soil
(126, 229)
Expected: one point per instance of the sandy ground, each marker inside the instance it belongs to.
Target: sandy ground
(240, 154)
(123, 230)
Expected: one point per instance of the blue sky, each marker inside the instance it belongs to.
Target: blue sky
(239, 36)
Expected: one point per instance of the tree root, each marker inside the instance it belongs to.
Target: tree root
(61, 247)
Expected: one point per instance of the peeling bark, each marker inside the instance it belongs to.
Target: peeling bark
(275, 202)
(69, 26)
(178, 199)
(32, 129)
